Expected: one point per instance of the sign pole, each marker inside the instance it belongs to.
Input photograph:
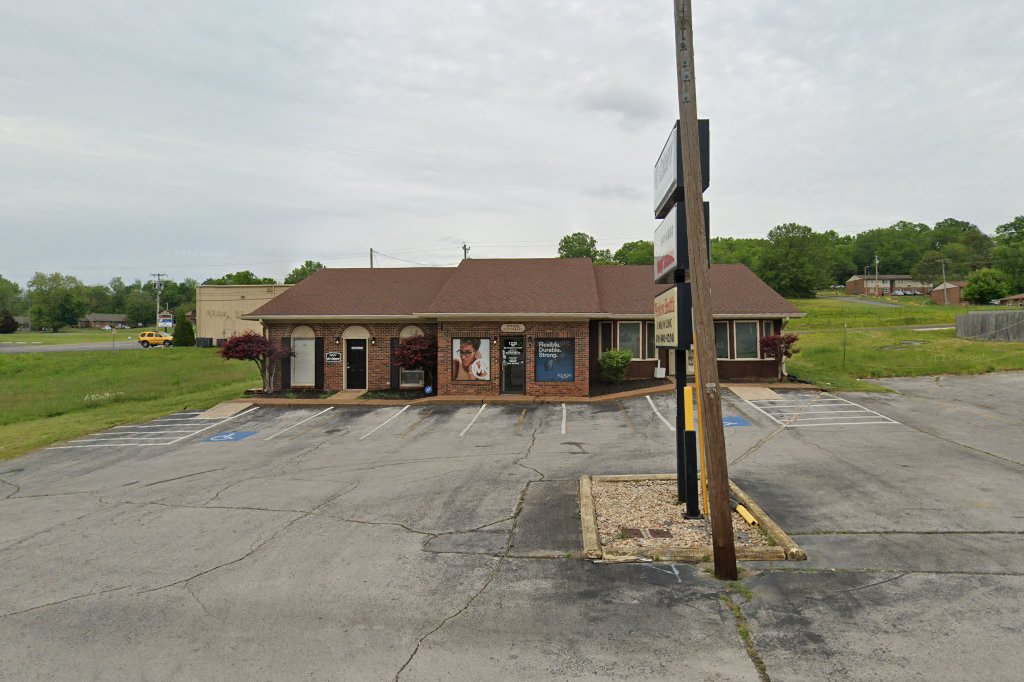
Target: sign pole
(712, 430)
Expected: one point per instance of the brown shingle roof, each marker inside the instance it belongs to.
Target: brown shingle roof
(539, 286)
(735, 290)
(359, 291)
(519, 285)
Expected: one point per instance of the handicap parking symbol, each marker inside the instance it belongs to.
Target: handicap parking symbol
(227, 436)
(734, 421)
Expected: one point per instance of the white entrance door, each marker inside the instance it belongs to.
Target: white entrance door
(303, 363)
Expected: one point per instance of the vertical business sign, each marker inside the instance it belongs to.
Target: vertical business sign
(666, 247)
(673, 318)
(668, 174)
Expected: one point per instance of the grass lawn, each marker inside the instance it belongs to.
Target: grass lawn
(877, 347)
(831, 313)
(70, 335)
(50, 397)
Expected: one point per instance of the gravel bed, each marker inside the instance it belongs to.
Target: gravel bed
(651, 505)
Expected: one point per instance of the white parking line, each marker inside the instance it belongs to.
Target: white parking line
(385, 422)
(659, 414)
(140, 440)
(563, 419)
(838, 411)
(473, 420)
(301, 423)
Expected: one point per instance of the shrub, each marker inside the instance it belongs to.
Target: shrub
(418, 352)
(184, 334)
(614, 364)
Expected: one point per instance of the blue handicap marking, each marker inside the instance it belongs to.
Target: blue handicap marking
(229, 436)
(735, 421)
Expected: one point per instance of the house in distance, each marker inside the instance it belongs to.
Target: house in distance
(526, 326)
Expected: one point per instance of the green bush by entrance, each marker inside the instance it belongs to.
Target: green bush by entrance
(614, 364)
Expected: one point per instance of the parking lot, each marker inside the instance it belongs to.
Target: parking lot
(431, 541)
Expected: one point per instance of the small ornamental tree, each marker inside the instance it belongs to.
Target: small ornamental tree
(417, 352)
(265, 353)
(8, 325)
(614, 364)
(184, 334)
(780, 347)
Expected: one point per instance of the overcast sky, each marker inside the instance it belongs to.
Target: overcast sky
(198, 138)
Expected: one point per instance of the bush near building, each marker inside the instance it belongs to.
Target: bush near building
(614, 364)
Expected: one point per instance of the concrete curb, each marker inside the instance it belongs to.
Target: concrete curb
(786, 549)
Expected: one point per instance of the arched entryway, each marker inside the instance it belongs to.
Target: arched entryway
(357, 342)
(303, 372)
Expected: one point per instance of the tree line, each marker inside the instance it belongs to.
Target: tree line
(55, 300)
(796, 260)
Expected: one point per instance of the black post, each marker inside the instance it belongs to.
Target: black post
(692, 503)
(681, 471)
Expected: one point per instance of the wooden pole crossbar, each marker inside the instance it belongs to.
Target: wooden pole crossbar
(712, 431)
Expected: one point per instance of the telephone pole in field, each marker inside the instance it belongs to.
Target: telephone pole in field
(158, 277)
(707, 386)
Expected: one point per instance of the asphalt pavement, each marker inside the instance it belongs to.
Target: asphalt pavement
(439, 542)
(11, 348)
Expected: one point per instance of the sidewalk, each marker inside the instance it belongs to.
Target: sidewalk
(353, 399)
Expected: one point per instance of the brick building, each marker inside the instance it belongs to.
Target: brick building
(516, 326)
(886, 285)
(949, 293)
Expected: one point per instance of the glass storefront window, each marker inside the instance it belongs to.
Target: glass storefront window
(722, 339)
(746, 340)
(629, 338)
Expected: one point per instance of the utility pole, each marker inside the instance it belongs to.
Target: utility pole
(159, 287)
(877, 286)
(945, 291)
(371, 259)
(700, 288)
(465, 251)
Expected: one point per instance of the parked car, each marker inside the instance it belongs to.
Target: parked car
(147, 339)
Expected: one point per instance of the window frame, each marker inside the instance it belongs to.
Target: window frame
(639, 338)
(757, 340)
(728, 339)
(650, 350)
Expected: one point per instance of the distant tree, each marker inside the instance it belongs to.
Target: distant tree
(929, 268)
(118, 295)
(187, 292)
(737, 250)
(794, 262)
(582, 245)
(1012, 231)
(184, 334)
(11, 297)
(986, 284)
(418, 352)
(635, 253)
(8, 325)
(140, 307)
(265, 353)
(303, 271)
(241, 277)
(1008, 252)
(97, 299)
(779, 347)
(55, 300)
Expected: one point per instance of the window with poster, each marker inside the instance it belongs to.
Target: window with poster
(471, 359)
(556, 360)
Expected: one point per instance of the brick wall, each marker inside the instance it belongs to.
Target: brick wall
(378, 354)
(534, 330)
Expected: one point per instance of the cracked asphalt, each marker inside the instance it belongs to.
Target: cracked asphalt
(338, 550)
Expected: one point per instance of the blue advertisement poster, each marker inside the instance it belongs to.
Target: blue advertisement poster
(556, 360)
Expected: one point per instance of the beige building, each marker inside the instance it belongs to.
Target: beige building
(219, 308)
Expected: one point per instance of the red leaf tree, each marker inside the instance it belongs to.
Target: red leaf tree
(265, 353)
(780, 347)
(417, 352)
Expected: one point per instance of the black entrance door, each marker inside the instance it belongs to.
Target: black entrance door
(355, 363)
(513, 365)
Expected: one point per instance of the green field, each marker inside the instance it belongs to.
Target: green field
(50, 397)
(876, 346)
(832, 313)
(70, 335)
